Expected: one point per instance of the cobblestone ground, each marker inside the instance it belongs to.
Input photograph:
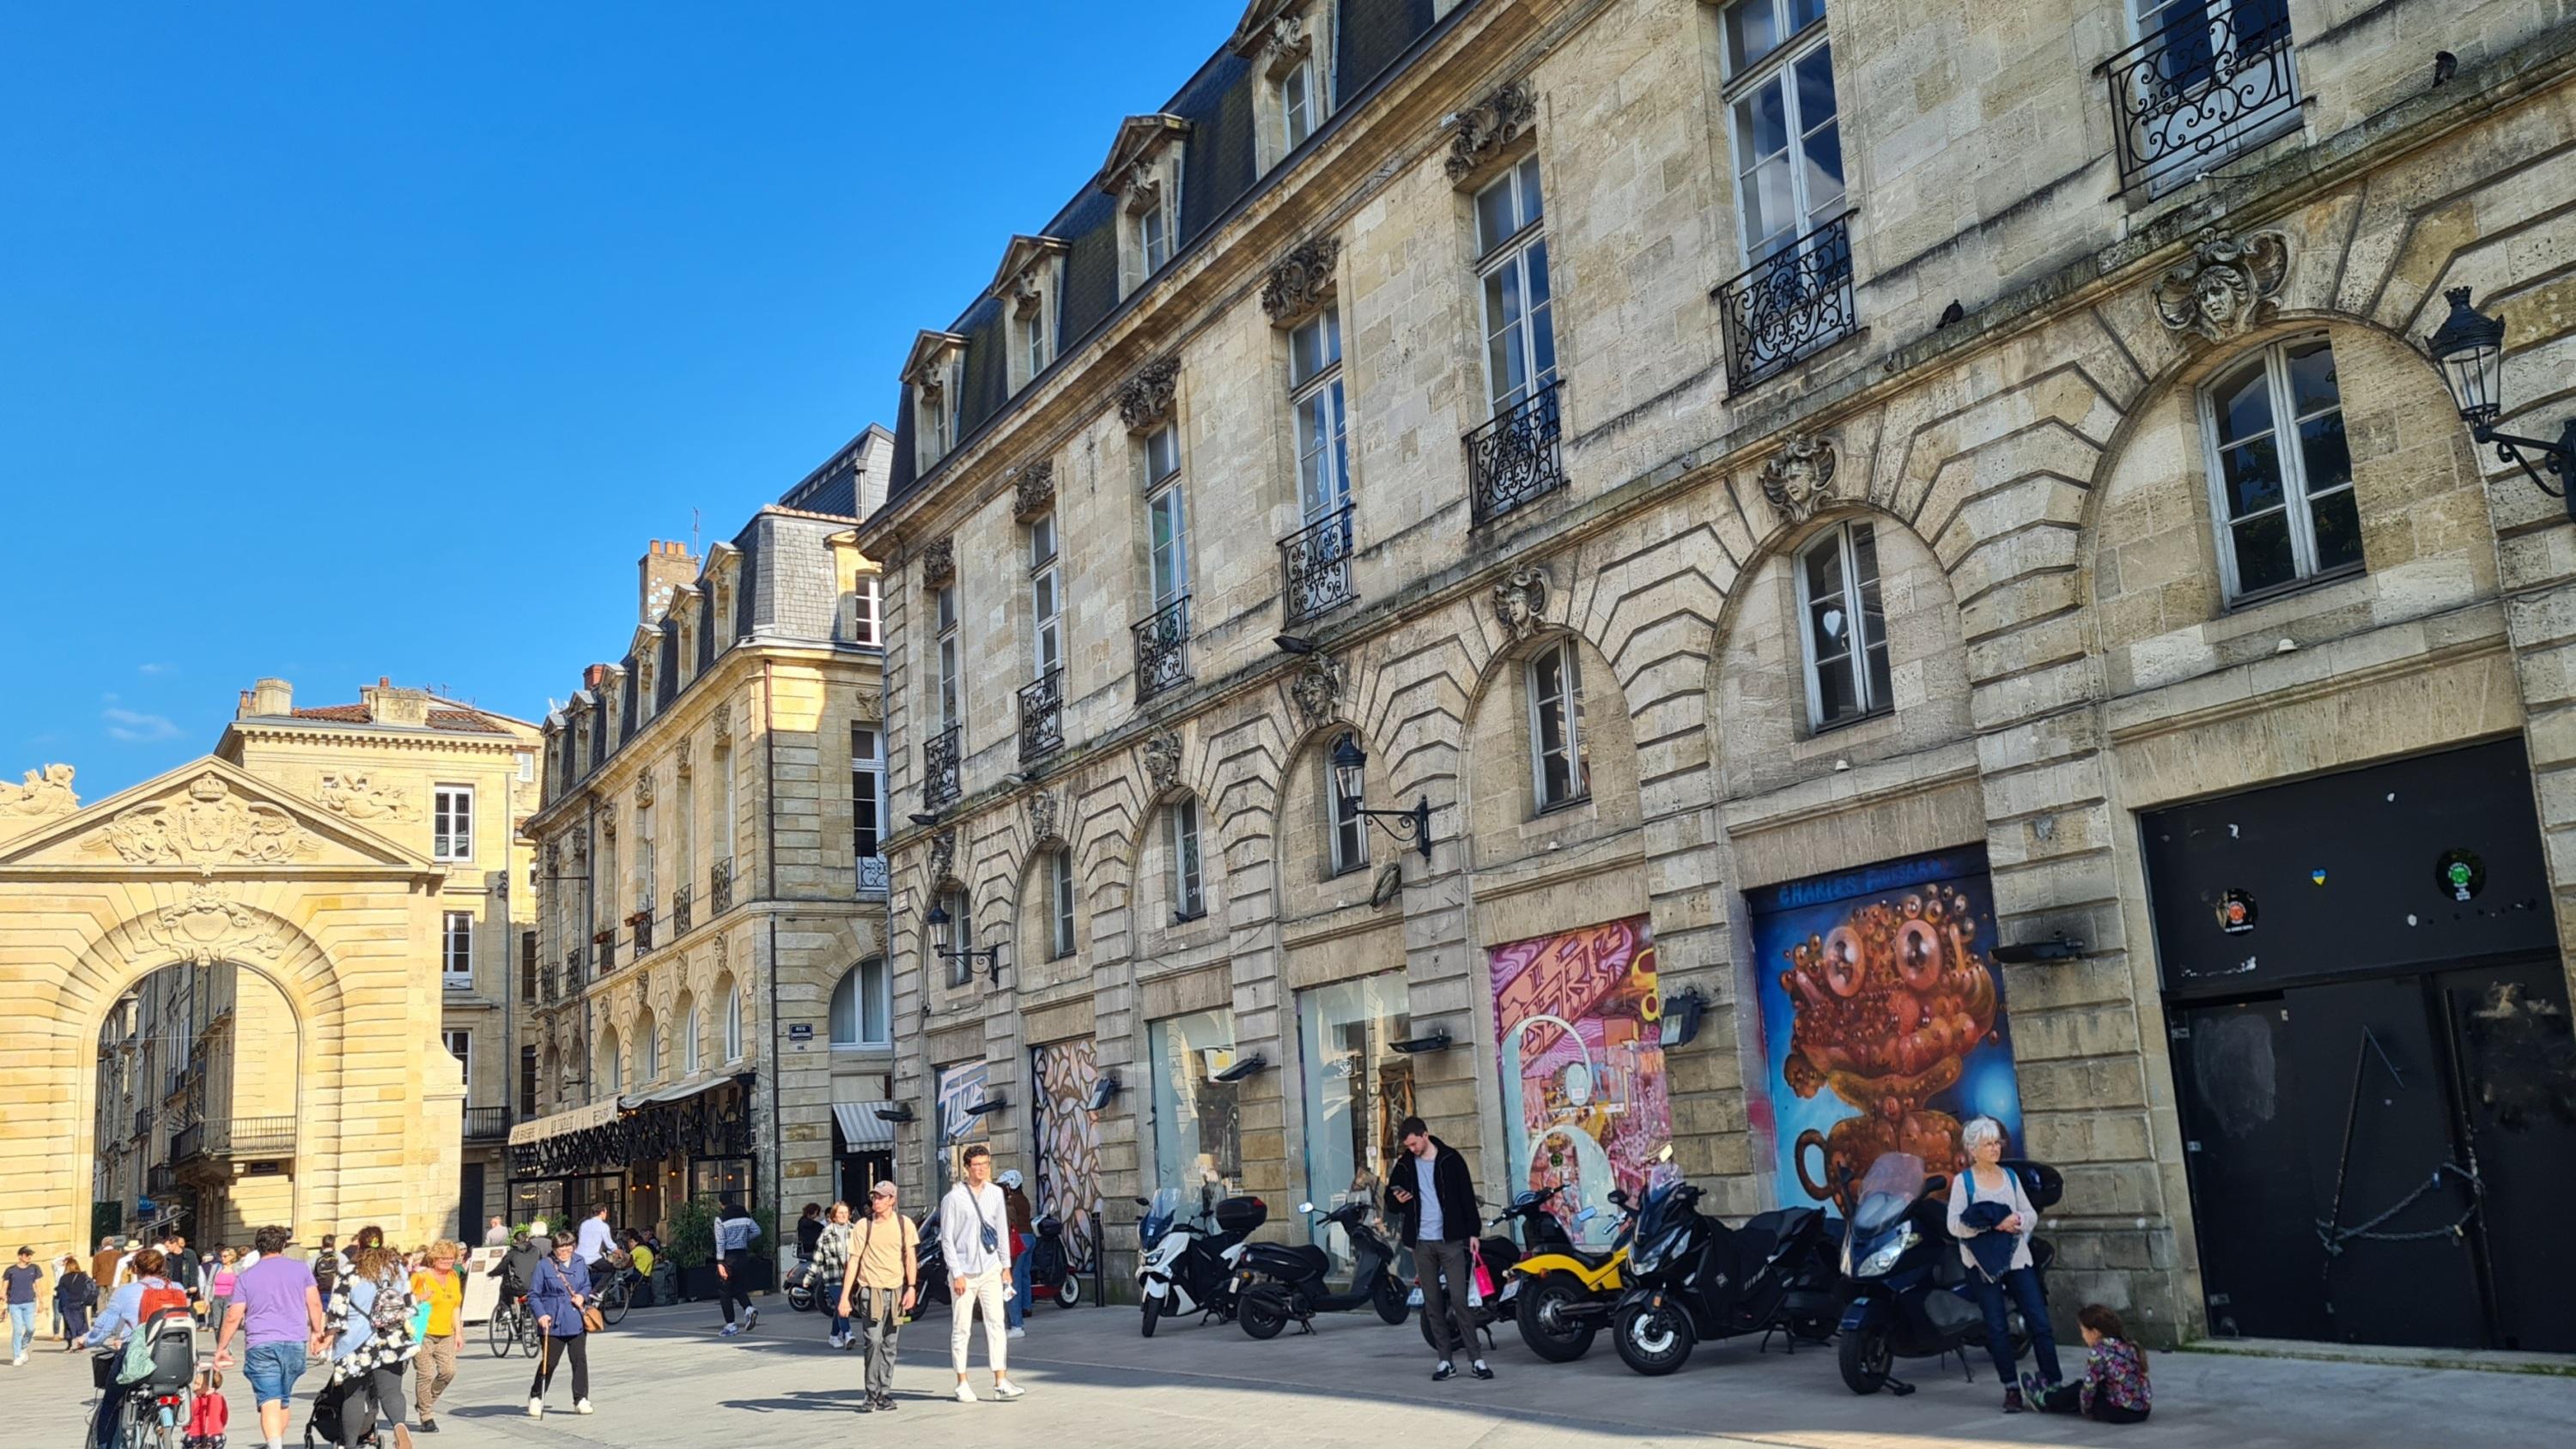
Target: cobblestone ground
(665, 1378)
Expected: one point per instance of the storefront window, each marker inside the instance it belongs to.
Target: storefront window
(1357, 1088)
(1197, 1133)
(713, 1179)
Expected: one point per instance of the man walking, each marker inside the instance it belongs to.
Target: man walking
(975, 1242)
(1434, 1201)
(102, 1264)
(736, 1231)
(22, 1278)
(180, 1266)
(496, 1233)
(278, 1309)
(595, 1239)
(882, 1278)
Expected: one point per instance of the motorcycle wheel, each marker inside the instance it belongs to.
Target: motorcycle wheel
(1388, 1298)
(1543, 1324)
(1153, 1311)
(1264, 1312)
(1653, 1341)
(1068, 1292)
(800, 1298)
(1866, 1357)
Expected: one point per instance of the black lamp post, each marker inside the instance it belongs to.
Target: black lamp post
(1350, 776)
(2469, 348)
(941, 944)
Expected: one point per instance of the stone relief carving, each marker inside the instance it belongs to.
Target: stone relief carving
(353, 794)
(1318, 690)
(45, 794)
(210, 927)
(1163, 761)
(723, 728)
(2226, 286)
(1299, 282)
(1286, 45)
(1800, 477)
(1043, 821)
(1520, 600)
(210, 826)
(644, 791)
(943, 856)
(608, 820)
(1485, 128)
(939, 564)
(554, 858)
(1146, 399)
(1033, 491)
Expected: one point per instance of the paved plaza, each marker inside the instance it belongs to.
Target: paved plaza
(665, 1378)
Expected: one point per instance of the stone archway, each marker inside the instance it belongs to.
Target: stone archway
(209, 866)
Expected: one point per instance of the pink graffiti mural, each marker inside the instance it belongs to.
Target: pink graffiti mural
(1576, 1018)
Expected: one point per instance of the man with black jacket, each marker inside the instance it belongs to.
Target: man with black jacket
(1437, 1223)
(517, 1269)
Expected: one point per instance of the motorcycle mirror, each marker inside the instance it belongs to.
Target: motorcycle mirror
(1666, 1155)
(1618, 1197)
(1934, 1184)
(1586, 1215)
(1144, 1202)
(1305, 1207)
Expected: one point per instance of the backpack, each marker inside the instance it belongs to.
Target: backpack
(156, 1300)
(138, 1361)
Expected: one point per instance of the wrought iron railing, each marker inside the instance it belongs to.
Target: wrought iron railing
(720, 887)
(875, 875)
(642, 925)
(605, 942)
(235, 1137)
(1515, 457)
(484, 1124)
(1788, 306)
(1042, 715)
(1163, 648)
(549, 986)
(576, 970)
(1315, 566)
(2216, 79)
(681, 908)
(940, 784)
(188, 1142)
(159, 1179)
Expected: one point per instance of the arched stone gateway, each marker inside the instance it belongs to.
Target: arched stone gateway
(210, 866)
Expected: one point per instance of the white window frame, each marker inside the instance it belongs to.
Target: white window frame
(648, 1048)
(867, 616)
(1505, 262)
(1566, 701)
(869, 994)
(1033, 339)
(1167, 568)
(867, 791)
(1344, 826)
(527, 762)
(1153, 238)
(456, 942)
(1298, 118)
(1046, 599)
(1323, 469)
(961, 938)
(1776, 68)
(645, 862)
(613, 1074)
(451, 823)
(733, 1042)
(1181, 837)
(1842, 536)
(948, 680)
(2297, 503)
(1060, 894)
(460, 1045)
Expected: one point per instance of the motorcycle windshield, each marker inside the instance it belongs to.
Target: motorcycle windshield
(1159, 1214)
(1663, 1217)
(1890, 1186)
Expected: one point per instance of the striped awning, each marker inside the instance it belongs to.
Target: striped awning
(861, 1127)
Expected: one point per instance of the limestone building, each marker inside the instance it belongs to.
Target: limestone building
(711, 1014)
(1911, 562)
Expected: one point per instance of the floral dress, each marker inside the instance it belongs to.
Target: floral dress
(378, 1312)
(2116, 1374)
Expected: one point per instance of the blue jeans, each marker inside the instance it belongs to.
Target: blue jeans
(272, 1369)
(2024, 1286)
(1018, 1303)
(22, 1327)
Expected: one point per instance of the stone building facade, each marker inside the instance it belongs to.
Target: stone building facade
(709, 963)
(1912, 556)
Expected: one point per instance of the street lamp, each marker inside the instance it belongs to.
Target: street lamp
(2469, 348)
(1350, 776)
(941, 944)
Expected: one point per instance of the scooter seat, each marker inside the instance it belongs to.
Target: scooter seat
(1288, 1260)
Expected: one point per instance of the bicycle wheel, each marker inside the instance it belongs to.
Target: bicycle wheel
(531, 1337)
(614, 1300)
(503, 1330)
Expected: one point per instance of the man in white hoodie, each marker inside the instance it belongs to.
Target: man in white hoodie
(975, 1242)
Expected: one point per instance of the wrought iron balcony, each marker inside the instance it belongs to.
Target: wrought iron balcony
(1315, 564)
(159, 1179)
(1042, 715)
(940, 785)
(1163, 649)
(576, 970)
(720, 886)
(1515, 457)
(1788, 306)
(2217, 79)
(875, 875)
(486, 1124)
(641, 923)
(224, 1137)
(681, 908)
(605, 942)
(549, 986)
(143, 1122)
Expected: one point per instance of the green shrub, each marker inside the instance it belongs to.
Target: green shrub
(692, 1243)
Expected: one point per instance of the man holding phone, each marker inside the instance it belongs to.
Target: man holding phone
(974, 1237)
(1434, 1203)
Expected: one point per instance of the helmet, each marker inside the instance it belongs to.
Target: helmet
(1010, 1179)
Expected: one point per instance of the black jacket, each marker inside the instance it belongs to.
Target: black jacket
(1449, 1178)
(518, 1267)
(181, 1269)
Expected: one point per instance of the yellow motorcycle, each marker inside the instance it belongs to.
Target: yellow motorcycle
(1566, 1292)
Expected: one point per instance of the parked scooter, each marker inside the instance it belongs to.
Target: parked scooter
(1501, 1254)
(1693, 1277)
(1284, 1281)
(1190, 1267)
(1566, 1293)
(1049, 1275)
(1910, 1295)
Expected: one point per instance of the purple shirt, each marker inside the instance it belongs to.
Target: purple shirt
(272, 1294)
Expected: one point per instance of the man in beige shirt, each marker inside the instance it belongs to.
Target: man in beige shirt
(881, 1280)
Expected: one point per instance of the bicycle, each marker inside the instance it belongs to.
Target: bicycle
(616, 1296)
(512, 1324)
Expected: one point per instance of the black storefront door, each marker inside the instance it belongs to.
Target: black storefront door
(469, 1204)
(2376, 1081)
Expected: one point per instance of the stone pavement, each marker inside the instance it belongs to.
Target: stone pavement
(665, 1378)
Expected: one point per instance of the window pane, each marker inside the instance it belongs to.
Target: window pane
(1542, 317)
(1825, 595)
(2337, 520)
(1824, 175)
(1881, 693)
(1752, 31)
(1873, 618)
(2263, 552)
(1494, 217)
(1770, 215)
(1803, 13)
(2326, 459)
(1835, 699)
(2244, 403)
(1762, 124)
(2250, 474)
(1531, 207)
(2312, 378)
(1814, 75)
(873, 1003)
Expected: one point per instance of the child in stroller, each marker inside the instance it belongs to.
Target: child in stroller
(159, 1401)
(322, 1430)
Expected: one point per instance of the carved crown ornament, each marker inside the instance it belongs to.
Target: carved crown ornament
(1301, 281)
(1145, 400)
(1520, 601)
(1033, 491)
(943, 855)
(1800, 477)
(939, 563)
(210, 927)
(2226, 287)
(1481, 131)
(1162, 754)
(1317, 690)
(45, 794)
(211, 826)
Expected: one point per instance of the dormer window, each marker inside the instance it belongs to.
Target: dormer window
(1289, 43)
(1144, 173)
(1026, 286)
(931, 377)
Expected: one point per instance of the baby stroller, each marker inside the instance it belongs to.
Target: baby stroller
(1049, 1275)
(323, 1428)
(156, 1404)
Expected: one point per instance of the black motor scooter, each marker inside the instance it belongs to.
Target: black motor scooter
(1284, 1281)
(1691, 1277)
(1910, 1296)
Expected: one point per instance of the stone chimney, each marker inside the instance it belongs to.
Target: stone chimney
(387, 705)
(664, 567)
(268, 698)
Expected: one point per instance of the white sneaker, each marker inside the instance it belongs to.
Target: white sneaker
(1017, 1333)
(966, 1393)
(581, 1406)
(750, 1317)
(732, 1330)
(536, 1408)
(1007, 1390)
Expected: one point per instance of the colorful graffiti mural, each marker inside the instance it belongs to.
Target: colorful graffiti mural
(1576, 1017)
(1883, 1023)
(1068, 1184)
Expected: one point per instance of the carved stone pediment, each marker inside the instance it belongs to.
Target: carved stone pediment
(926, 367)
(1033, 491)
(1273, 34)
(45, 795)
(1021, 275)
(209, 825)
(1136, 156)
(1799, 478)
(1301, 281)
(1145, 400)
(939, 563)
(1317, 690)
(2226, 287)
(204, 816)
(1520, 601)
(1162, 754)
(1481, 132)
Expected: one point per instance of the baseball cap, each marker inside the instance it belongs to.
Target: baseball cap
(882, 1189)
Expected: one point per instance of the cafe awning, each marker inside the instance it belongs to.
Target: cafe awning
(675, 1092)
(571, 1119)
(861, 1127)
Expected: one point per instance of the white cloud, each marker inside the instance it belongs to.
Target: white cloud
(154, 668)
(134, 729)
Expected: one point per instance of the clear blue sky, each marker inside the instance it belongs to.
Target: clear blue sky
(348, 340)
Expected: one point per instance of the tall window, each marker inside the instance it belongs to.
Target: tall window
(691, 1058)
(1342, 820)
(612, 1071)
(1561, 772)
(2281, 474)
(1315, 392)
(1520, 327)
(1843, 627)
(866, 615)
(528, 1082)
(451, 823)
(456, 947)
(644, 861)
(961, 937)
(952, 660)
(1033, 337)
(1297, 104)
(1181, 829)
(732, 821)
(936, 420)
(1154, 238)
(1167, 526)
(684, 850)
(648, 1048)
(732, 1021)
(527, 760)
(1788, 145)
(527, 966)
(1046, 599)
(862, 1007)
(867, 793)
(460, 1045)
(1060, 899)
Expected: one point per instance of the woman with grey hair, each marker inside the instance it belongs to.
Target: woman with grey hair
(1988, 1199)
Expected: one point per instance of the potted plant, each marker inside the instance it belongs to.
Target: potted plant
(692, 1250)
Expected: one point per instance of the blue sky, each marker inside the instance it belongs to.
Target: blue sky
(346, 341)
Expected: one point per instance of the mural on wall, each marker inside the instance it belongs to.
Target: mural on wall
(1577, 1017)
(1883, 1025)
(960, 1087)
(1068, 1184)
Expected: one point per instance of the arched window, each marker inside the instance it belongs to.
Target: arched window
(1181, 840)
(690, 1059)
(612, 1078)
(1843, 626)
(860, 1008)
(2280, 475)
(1560, 771)
(648, 1049)
(1059, 867)
(1343, 823)
(732, 1022)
